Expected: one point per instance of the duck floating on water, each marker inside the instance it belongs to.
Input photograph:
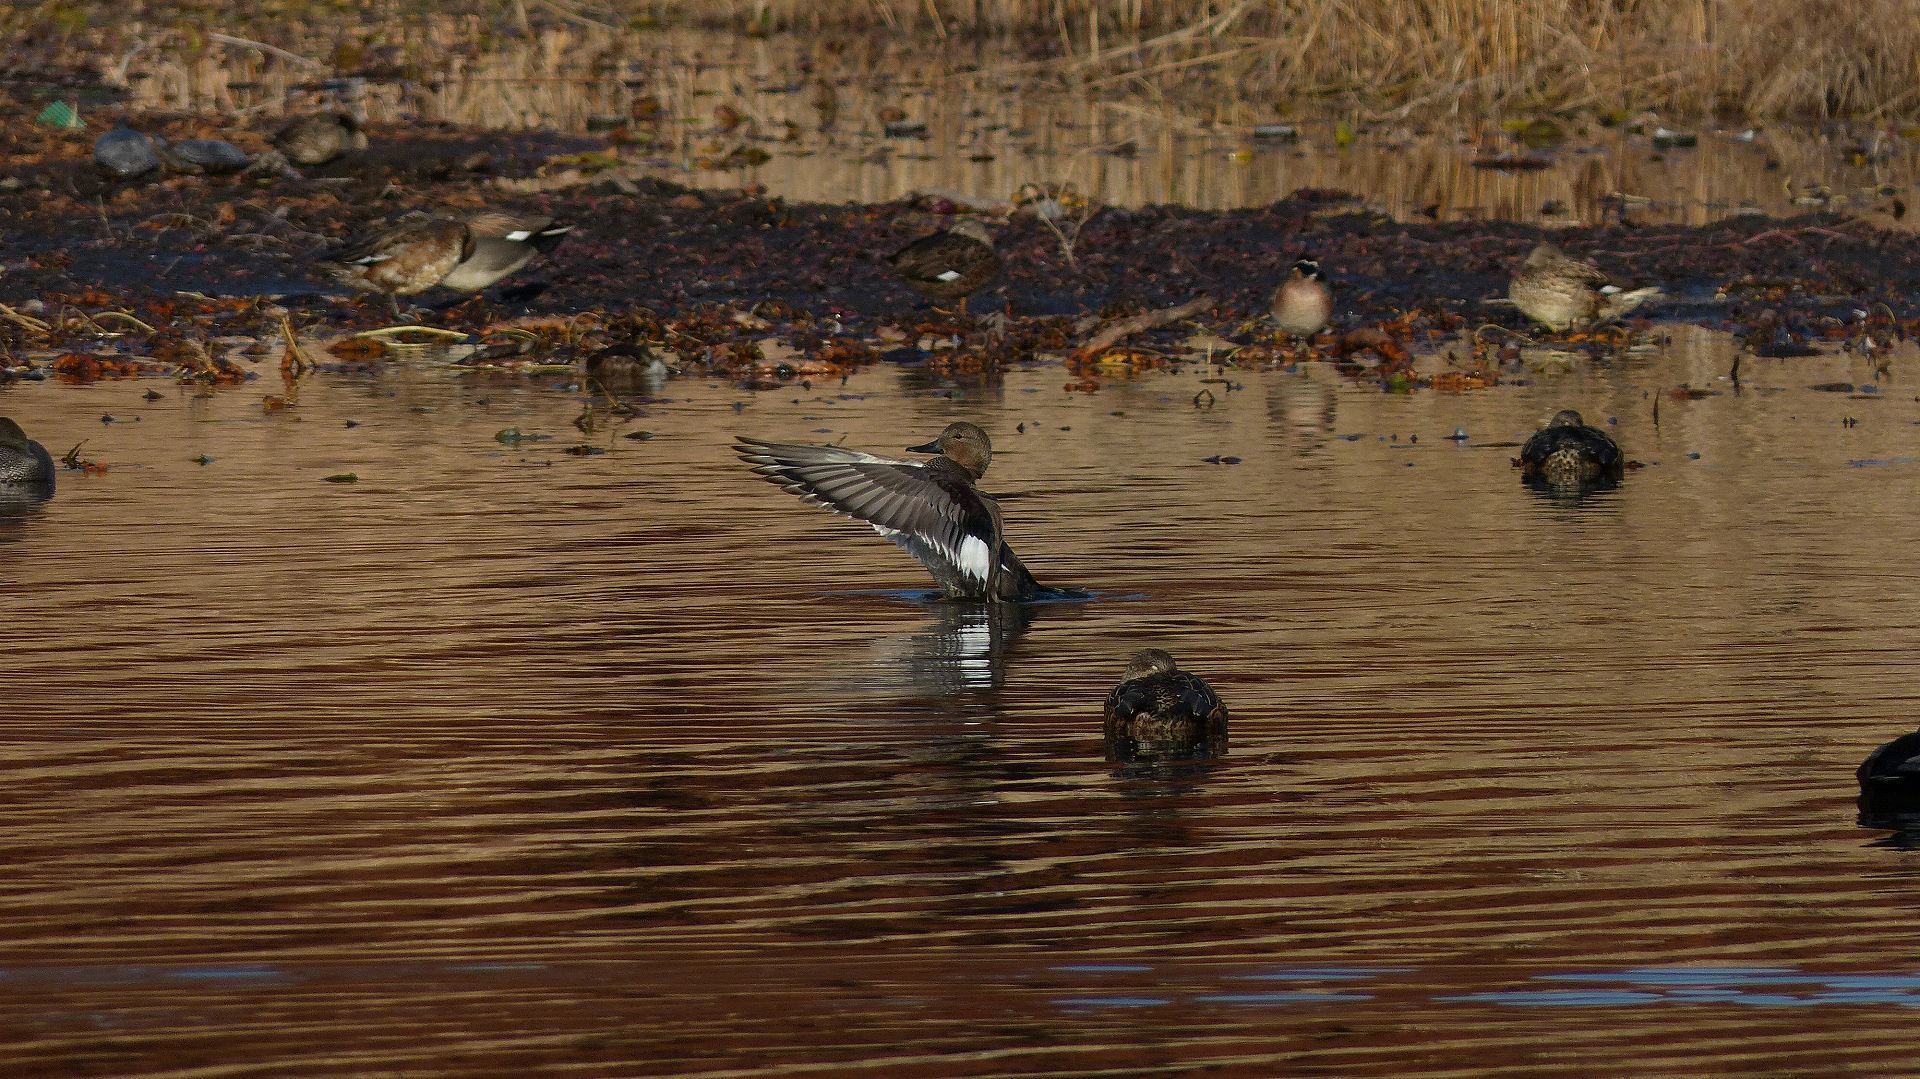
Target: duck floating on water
(1564, 293)
(1890, 784)
(933, 510)
(1567, 454)
(25, 465)
(1159, 707)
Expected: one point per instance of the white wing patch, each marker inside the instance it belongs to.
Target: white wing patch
(1608, 290)
(975, 559)
(518, 236)
(368, 260)
(947, 275)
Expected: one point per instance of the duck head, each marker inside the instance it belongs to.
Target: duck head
(12, 437)
(973, 229)
(1543, 256)
(1149, 661)
(963, 444)
(1566, 417)
(1307, 268)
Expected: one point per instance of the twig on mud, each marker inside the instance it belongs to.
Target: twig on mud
(431, 331)
(1146, 320)
(1048, 203)
(124, 317)
(294, 352)
(27, 322)
(248, 43)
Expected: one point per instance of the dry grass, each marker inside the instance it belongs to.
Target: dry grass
(1753, 58)
(1733, 59)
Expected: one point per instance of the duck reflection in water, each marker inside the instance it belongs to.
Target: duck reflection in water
(964, 649)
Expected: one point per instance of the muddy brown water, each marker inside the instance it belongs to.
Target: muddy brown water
(504, 759)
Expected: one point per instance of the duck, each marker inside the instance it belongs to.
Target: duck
(1890, 782)
(1158, 704)
(502, 244)
(1303, 303)
(407, 258)
(951, 264)
(125, 153)
(933, 511)
(24, 463)
(317, 138)
(1564, 293)
(1568, 453)
(196, 157)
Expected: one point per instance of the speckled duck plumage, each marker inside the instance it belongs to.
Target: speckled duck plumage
(1564, 293)
(951, 264)
(1158, 704)
(318, 138)
(25, 465)
(1567, 453)
(407, 258)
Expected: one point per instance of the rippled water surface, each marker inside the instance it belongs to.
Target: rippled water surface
(503, 758)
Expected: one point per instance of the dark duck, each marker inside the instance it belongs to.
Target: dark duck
(1568, 454)
(1158, 706)
(949, 265)
(1890, 784)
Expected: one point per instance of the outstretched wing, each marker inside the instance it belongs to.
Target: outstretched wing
(904, 501)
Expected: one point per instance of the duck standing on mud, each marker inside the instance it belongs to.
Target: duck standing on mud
(404, 260)
(1568, 454)
(1159, 706)
(1564, 293)
(933, 511)
(502, 244)
(25, 465)
(423, 251)
(951, 264)
(318, 138)
(1303, 303)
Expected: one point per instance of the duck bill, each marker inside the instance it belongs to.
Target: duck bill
(931, 447)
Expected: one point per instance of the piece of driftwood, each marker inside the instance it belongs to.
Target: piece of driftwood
(1113, 332)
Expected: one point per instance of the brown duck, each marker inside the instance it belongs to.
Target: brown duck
(933, 511)
(1567, 453)
(502, 244)
(1303, 303)
(408, 258)
(1565, 293)
(1157, 704)
(951, 264)
(318, 138)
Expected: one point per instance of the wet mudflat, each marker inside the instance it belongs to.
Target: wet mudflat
(504, 757)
